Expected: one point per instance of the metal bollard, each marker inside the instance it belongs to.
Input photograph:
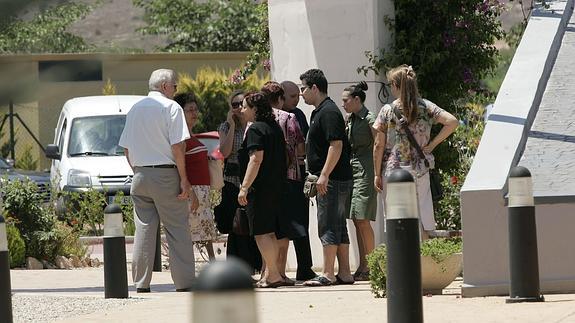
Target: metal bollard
(404, 295)
(5, 286)
(224, 293)
(523, 262)
(115, 271)
(158, 254)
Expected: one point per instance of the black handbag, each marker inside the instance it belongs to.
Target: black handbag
(434, 176)
(240, 224)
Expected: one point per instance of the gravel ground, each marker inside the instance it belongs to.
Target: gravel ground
(42, 308)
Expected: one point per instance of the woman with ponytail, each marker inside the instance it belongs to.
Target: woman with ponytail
(392, 148)
(364, 196)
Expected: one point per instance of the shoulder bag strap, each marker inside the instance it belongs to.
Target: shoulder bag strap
(410, 137)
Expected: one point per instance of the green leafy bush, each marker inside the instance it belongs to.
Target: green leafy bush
(16, 246)
(212, 89)
(376, 261)
(451, 45)
(127, 213)
(69, 243)
(460, 148)
(85, 211)
(439, 249)
(26, 160)
(23, 203)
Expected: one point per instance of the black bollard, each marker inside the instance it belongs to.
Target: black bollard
(158, 254)
(115, 272)
(404, 296)
(523, 262)
(224, 293)
(5, 286)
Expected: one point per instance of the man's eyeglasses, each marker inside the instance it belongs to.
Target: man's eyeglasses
(302, 88)
(236, 105)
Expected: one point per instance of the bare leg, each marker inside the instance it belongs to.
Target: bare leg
(360, 245)
(329, 254)
(344, 272)
(283, 245)
(267, 243)
(364, 230)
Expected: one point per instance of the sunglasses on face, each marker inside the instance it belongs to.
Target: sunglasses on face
(302, 88)
(236, 105)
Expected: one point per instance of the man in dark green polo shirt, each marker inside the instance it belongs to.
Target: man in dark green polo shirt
(328, 152)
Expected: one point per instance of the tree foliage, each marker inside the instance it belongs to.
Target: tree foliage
(193, 26)
(45, 32)
(450, 44)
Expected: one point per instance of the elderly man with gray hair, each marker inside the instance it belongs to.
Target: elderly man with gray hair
(154, 143)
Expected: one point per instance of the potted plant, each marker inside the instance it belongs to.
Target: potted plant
(441, 262)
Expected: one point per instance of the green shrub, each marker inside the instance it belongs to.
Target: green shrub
(438, 249)
(86, 211)
(127, 214)
(376, 261)
(26, 161)
(69, 243)
(16, 246)
(23, 203)
(212, 89)
(460, 148)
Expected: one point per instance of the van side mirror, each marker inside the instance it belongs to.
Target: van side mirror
(53, 152)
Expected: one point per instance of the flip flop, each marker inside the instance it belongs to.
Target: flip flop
(263, 284)
(361, 276)
(343, 282)
(318, 281)
(287, 281)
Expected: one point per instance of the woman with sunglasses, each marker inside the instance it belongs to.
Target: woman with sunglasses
(231, 134)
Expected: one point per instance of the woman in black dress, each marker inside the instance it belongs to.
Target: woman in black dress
(263, 162)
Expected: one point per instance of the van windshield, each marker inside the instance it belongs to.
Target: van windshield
(96, 136)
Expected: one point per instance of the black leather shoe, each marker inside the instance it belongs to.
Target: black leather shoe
(189, 289)
(143, 290)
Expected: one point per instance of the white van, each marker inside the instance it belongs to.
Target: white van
(85, 153)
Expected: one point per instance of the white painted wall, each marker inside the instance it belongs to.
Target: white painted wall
(331, 35)
(484, 215)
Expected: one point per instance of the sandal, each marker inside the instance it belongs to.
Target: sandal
(343, 282)
(264, 284)
(287, 281)
(318, 281)
(361, 276)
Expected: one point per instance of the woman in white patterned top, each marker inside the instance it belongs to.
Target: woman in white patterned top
(392, 149)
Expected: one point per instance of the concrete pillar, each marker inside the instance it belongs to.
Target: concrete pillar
(331, 35)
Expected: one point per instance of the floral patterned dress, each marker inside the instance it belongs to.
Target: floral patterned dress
(202, 225)
(293, 136)
(400, 153)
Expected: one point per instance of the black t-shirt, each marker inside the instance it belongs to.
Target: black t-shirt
(266, 136)
(326, 124)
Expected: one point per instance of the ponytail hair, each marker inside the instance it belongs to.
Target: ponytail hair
(357, 90)
(403, 77)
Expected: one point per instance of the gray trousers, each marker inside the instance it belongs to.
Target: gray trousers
(154, 192)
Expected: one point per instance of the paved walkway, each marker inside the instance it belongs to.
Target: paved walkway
(332, 304)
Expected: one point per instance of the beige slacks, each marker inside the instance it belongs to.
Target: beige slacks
(154, 192)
